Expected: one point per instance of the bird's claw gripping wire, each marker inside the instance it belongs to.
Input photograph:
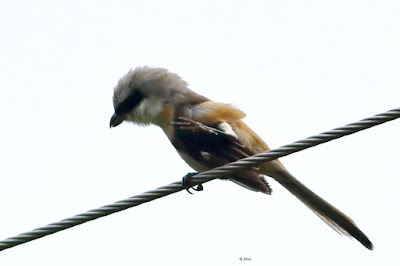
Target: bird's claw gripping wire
(186, 183)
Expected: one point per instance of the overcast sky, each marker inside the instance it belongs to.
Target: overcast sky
(296, 68)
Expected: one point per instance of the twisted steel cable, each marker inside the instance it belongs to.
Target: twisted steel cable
(203, 177)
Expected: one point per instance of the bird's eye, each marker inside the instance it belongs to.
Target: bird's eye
(129, 103)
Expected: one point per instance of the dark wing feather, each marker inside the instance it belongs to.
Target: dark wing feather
(211, 147)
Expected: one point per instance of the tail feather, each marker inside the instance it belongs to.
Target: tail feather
(252, 180)
(324, 210)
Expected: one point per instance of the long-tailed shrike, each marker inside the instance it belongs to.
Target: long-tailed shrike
(208, 134)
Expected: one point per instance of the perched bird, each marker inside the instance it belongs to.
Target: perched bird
(209, 134)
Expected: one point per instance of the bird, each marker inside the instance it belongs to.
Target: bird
(207, 134)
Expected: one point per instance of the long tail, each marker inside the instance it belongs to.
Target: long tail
(328, 213)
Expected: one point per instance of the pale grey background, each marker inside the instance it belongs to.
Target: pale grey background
(297, 68)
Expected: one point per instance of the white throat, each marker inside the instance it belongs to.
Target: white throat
(147, 111)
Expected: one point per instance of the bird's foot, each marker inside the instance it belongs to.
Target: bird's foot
(186, 183)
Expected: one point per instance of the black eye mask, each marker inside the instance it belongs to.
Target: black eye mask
(129, 103)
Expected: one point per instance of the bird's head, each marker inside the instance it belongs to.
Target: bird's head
(144, 93)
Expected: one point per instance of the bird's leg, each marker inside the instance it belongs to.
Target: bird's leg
(186, 183)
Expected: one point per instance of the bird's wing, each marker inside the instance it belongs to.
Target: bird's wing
(215, 145)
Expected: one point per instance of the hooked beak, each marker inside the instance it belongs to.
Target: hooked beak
(115, 120)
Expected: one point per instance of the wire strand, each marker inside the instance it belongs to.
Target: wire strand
(203, 177)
